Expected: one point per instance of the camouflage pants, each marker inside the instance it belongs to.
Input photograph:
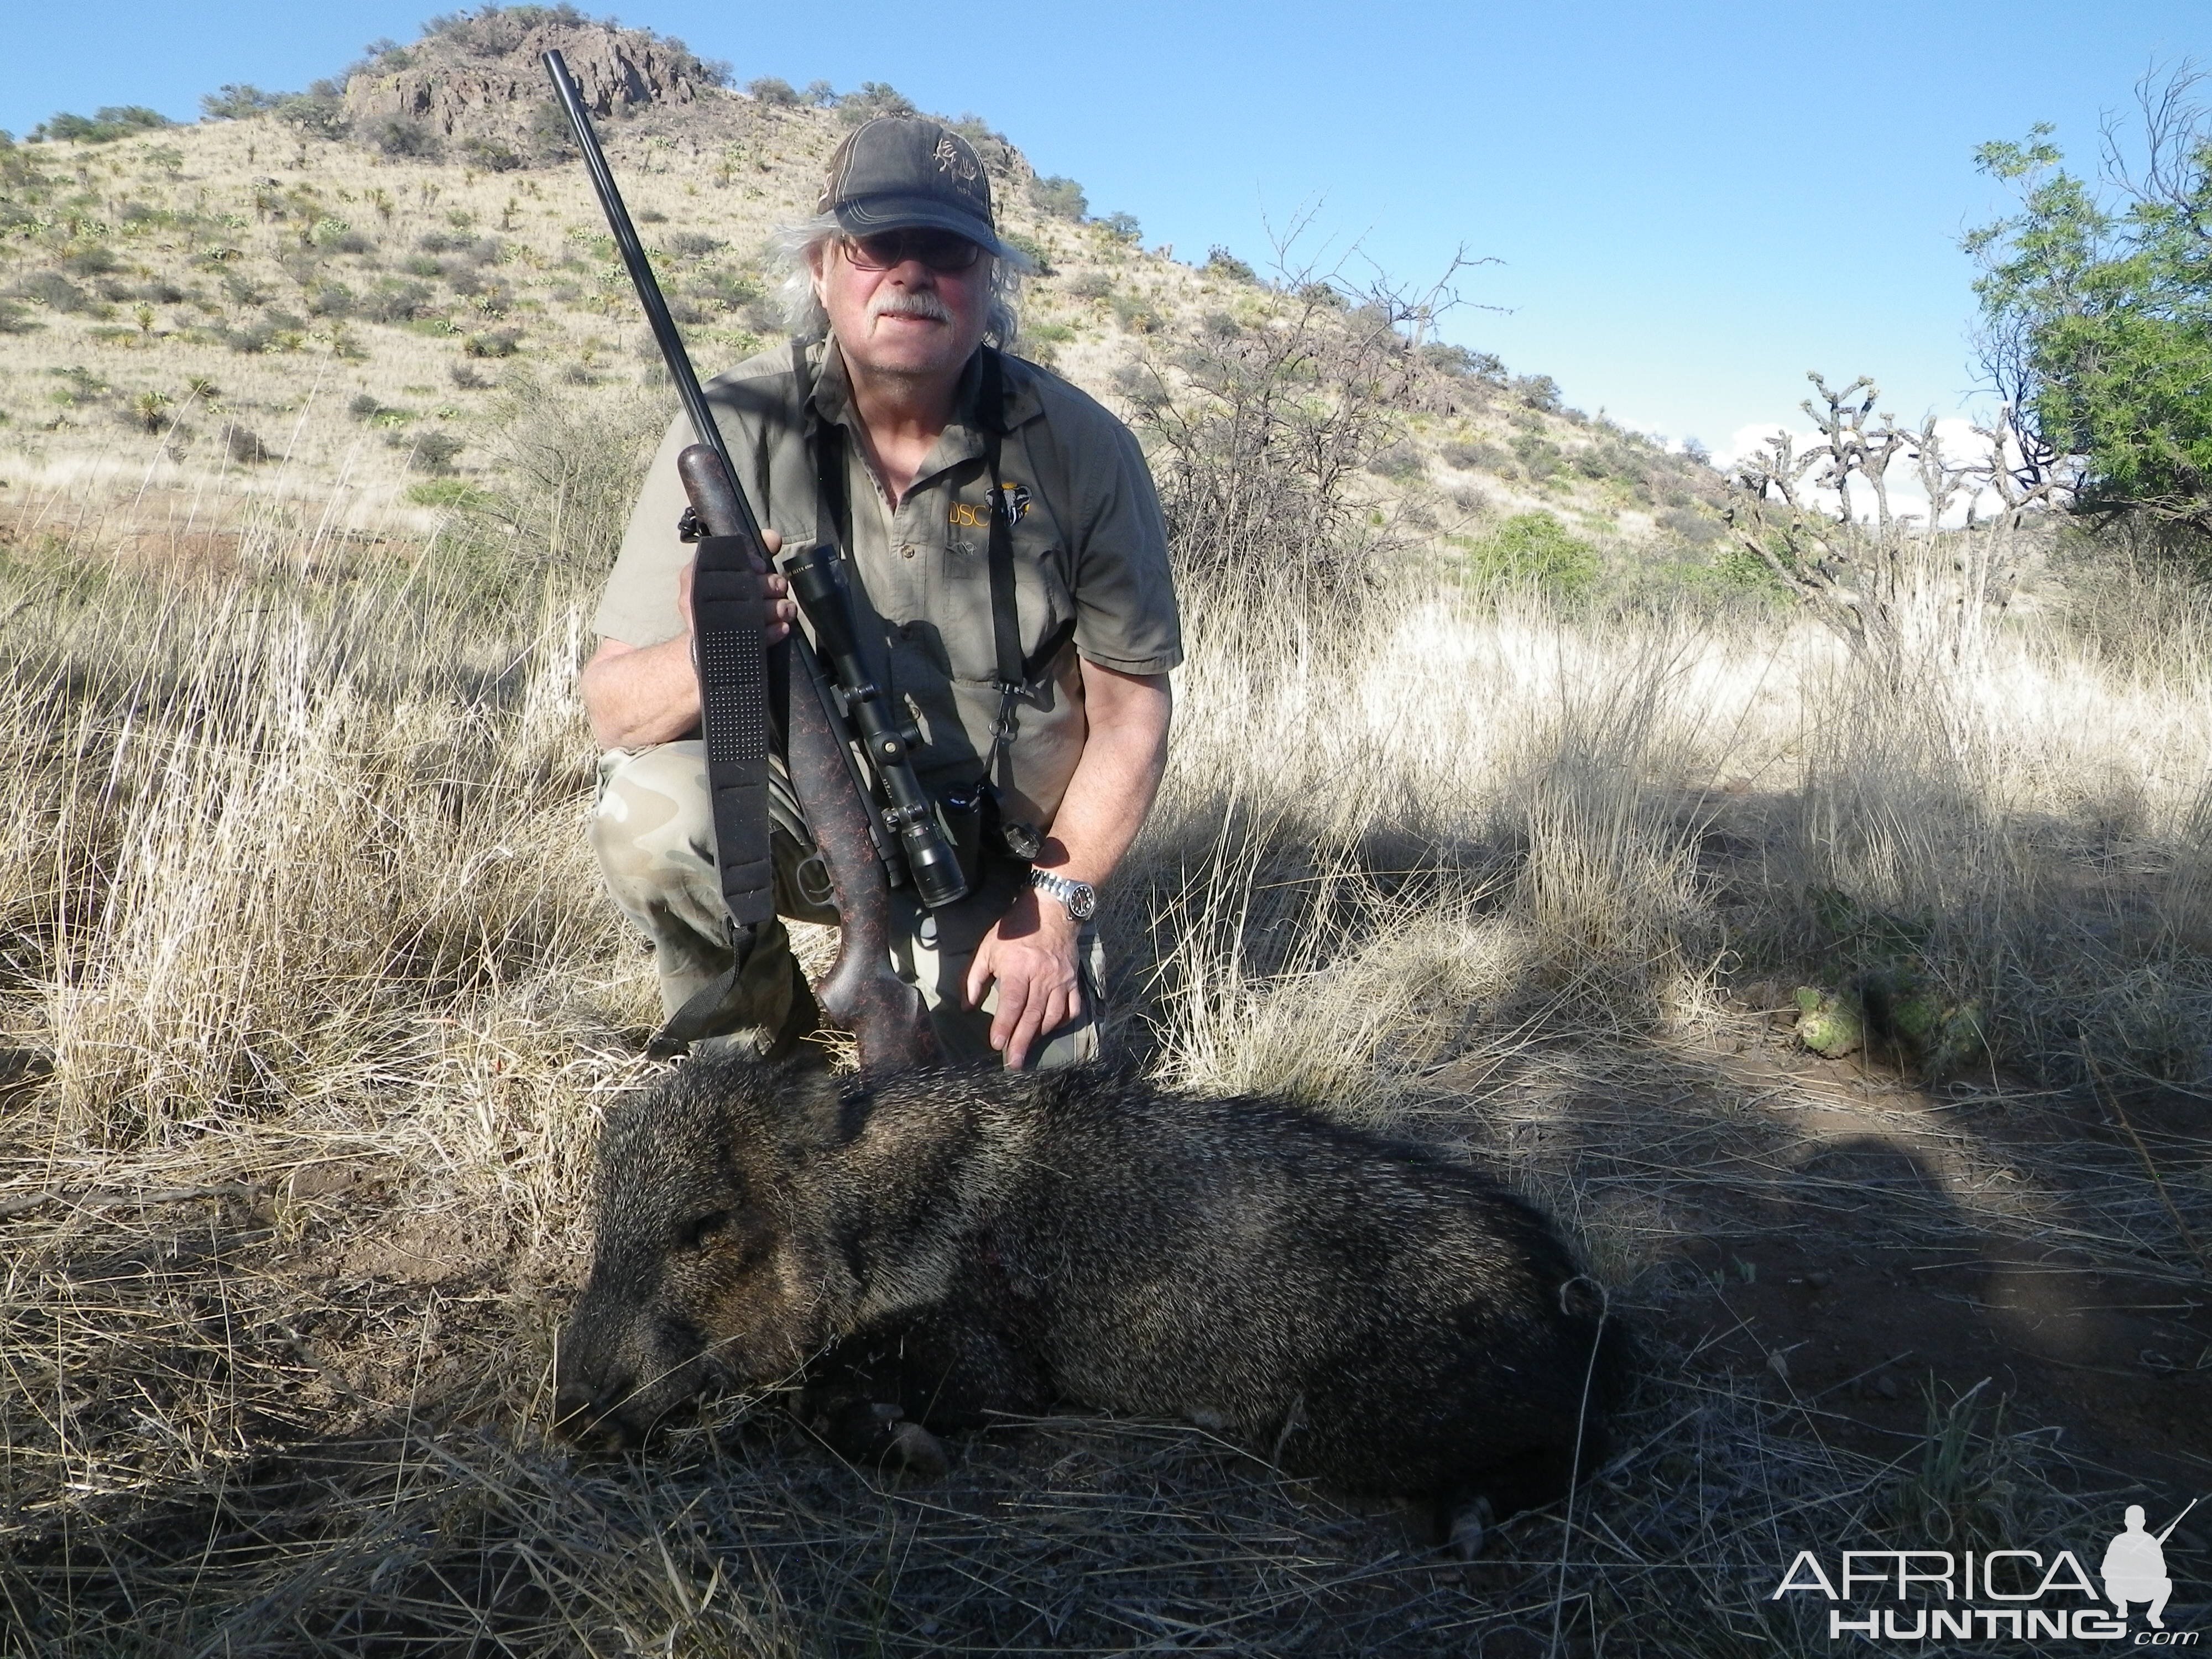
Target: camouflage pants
(654, 836)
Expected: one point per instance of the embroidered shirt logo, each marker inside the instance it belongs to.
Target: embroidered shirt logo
(976, 515)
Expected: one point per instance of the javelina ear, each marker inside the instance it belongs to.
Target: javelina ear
(815, 1114)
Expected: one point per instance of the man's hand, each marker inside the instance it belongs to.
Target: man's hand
(1031, 952)
(782, 609)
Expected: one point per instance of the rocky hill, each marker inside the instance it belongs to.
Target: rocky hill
(341, 298)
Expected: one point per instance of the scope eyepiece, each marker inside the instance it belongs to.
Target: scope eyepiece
(935, 868)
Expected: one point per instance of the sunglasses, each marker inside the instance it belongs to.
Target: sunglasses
(942, 251)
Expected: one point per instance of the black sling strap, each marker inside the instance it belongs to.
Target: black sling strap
(726, 598)
(1017, 674)
(736, 711)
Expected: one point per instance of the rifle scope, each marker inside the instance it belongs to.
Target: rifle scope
(819, 587)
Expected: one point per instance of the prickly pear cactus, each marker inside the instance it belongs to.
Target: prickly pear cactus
(1827, 1024)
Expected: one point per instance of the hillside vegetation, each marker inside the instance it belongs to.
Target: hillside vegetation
(365, 298)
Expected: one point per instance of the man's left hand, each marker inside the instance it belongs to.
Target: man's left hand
(1031, 952)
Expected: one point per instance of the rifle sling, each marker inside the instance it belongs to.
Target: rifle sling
(735, 711)
(727, 596)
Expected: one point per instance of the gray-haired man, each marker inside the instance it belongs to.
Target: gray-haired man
(884, 430)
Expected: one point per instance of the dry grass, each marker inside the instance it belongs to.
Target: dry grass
(310, 1006)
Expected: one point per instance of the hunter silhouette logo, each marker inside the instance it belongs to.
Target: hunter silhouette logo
(2134, 1566)
(2024, 1596)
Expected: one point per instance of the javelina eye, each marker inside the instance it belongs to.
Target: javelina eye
(701, 1231)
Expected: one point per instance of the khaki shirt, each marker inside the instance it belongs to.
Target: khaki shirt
(1089, 543)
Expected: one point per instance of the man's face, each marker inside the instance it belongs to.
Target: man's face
(910, 319)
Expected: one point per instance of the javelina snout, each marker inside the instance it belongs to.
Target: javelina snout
(937, 1246)
(706, 1268)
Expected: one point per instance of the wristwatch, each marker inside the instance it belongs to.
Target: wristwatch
(1080, 898)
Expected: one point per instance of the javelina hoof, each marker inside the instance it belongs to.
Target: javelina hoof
(1470, 1529)
(918, 1451)
(878, 1432)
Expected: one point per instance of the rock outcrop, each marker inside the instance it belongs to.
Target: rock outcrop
(445, 89)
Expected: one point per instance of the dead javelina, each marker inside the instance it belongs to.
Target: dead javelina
(937, 1246)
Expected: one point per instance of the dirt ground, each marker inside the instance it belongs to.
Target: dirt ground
(1848, 1268)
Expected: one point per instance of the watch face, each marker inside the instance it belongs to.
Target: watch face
(1080, 898)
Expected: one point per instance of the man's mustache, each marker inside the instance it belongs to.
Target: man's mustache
(909, 305)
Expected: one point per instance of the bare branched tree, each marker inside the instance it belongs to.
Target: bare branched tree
(1260, 428)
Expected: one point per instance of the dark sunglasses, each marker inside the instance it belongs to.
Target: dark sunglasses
(942, 251)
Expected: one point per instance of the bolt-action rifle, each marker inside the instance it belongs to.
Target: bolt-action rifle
(866, 845)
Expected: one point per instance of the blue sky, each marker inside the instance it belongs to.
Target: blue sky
(1693, 203)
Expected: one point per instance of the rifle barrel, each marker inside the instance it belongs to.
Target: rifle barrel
(647, 286)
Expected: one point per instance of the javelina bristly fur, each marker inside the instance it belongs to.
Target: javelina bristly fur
(935, 1247)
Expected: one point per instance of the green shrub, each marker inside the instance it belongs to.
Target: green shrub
(430, 452)
(236, 99)
(873, 98)
(319, 110)
(1220, 261)
(492, 154)
(773, 90)
(1059, 197)
(1691, 528)
(1458, 361)
(1031, 247)
(1122, 226)
(390, 302)
(1091, 285)
(54, 291)
(1477, 457)
(91, 260)
(1540, 392)
(407, 138)
(1535, 550)
(1538, 454)
(1136, 315)
(103, 126)
(1400, 462)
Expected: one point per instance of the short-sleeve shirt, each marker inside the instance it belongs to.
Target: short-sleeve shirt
(1090, 551)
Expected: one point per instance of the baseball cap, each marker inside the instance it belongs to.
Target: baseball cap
(901, 172)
